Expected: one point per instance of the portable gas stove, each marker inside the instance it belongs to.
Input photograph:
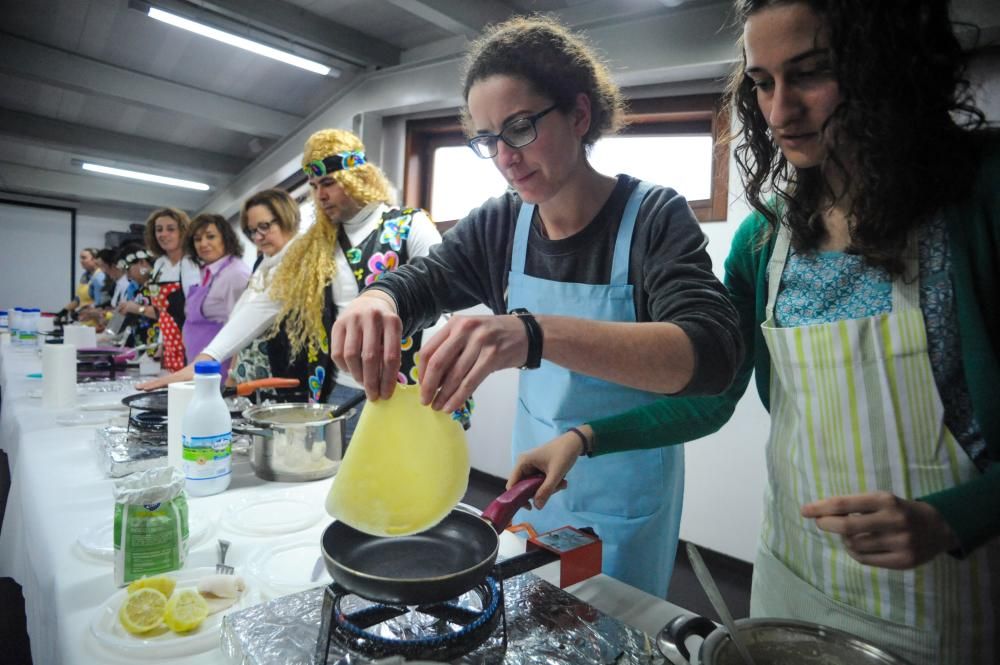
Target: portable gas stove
(511, 617)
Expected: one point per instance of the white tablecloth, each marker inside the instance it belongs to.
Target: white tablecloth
(58, 491)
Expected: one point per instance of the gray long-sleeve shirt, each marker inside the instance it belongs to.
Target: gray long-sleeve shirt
(668, 266)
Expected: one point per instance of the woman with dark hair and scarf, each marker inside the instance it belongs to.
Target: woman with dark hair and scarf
(866, 281)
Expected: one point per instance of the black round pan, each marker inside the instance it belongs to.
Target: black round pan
(428, 567)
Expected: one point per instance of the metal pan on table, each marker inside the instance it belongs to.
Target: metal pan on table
(432, 566)
(156, 400)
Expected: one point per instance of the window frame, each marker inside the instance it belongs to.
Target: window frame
(679, 116)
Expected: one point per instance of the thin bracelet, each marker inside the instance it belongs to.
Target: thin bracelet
(587, 446)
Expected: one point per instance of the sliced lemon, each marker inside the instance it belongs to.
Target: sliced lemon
(185, 611)
(161, 583)
(142, 611)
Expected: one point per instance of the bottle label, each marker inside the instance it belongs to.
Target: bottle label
(207, 457)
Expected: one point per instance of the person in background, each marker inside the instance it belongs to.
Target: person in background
(270, 219)
(600, 286)
(83, 297)
(866, 281)
(114, 287)
(174, 273)
(357, 238)
(213, 243)
(138, 265)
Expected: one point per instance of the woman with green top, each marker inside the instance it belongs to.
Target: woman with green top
(866, 280)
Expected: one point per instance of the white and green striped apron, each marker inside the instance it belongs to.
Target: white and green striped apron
(854, 409)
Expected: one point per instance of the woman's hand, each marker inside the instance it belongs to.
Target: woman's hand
(554, 459)
(880, 529)
(463, 353)
(365, 341)
(183, 374)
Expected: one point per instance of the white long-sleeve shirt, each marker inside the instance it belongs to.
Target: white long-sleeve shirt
(255, 311)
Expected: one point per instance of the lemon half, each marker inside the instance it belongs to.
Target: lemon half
(161, 583)
(142, 610)
(185, 611)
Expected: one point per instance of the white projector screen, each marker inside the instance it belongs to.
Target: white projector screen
(36, 260)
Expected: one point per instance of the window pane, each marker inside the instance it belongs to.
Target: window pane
(681, 162)
(461, 181)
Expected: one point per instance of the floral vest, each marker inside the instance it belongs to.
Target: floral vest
(382, 250)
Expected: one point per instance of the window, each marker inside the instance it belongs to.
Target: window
(673, 141)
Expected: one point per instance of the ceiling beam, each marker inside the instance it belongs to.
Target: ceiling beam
(33, 61)
(458, 17)
(293, 24)
(86, 141)
(87, 187)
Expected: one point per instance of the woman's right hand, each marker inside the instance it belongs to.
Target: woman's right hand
(365, 341)
(553, 459)
(183, 374)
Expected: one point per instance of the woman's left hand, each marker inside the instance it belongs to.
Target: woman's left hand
(462, 354)
(880, 529)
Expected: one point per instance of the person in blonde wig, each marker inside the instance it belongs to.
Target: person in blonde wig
(356, 239)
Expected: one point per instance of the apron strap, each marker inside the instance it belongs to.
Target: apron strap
(623, 243)
(519, 254)
(776, 266)
(906, 287)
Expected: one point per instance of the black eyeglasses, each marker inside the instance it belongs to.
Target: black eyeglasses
(261, 229)
(517, 133)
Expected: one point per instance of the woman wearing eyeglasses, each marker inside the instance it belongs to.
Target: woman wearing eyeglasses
(601, 289)
(357, 239)
(270, 219)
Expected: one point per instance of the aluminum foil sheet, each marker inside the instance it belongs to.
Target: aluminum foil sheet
(545, 625)
(121, 453)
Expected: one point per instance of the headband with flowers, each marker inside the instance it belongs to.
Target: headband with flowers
(342, 160)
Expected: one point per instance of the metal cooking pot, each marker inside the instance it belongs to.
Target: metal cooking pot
(771, 642)
(294, 442)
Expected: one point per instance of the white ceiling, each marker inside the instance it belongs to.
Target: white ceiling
(99, 80)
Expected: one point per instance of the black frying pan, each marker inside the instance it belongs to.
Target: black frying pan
(432, 566)
(156, 400)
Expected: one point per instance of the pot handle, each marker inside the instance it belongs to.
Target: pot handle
(673, 635)
(250, 430)
(244, 389)
(501, 510)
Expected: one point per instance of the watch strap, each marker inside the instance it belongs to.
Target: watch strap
(535, 338)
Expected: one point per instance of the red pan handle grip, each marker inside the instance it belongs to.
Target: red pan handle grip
(501, 510)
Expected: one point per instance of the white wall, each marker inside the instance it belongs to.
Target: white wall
(35, 265)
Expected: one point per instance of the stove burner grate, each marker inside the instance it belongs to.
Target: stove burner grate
(442, 631)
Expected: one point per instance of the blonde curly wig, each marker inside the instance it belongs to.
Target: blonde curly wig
(309, 266)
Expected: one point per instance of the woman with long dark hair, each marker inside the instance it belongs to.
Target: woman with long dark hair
(866, 281)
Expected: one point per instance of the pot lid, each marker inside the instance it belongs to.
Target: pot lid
(799, 642)
(290, 413)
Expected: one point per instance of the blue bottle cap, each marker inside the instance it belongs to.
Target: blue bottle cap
(207, 367)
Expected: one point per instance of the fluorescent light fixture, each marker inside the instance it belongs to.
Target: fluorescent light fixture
(148, 177)
(239, 42)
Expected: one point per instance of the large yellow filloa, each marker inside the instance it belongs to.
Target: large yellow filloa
(406, 467)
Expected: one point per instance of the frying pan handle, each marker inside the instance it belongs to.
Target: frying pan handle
(244, 389)
(501, 510)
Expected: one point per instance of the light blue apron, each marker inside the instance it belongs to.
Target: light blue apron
(632, 499)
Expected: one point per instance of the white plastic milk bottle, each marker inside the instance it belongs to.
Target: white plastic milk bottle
(207, 434)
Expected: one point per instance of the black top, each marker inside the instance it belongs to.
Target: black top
(668, 265)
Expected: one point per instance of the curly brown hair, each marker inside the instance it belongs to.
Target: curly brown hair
(179, 216)
(905, 117)
(230, 241)
(555, 62)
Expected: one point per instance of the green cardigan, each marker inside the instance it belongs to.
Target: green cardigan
(972, 509)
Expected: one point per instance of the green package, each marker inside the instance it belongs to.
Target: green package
(151, 524)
